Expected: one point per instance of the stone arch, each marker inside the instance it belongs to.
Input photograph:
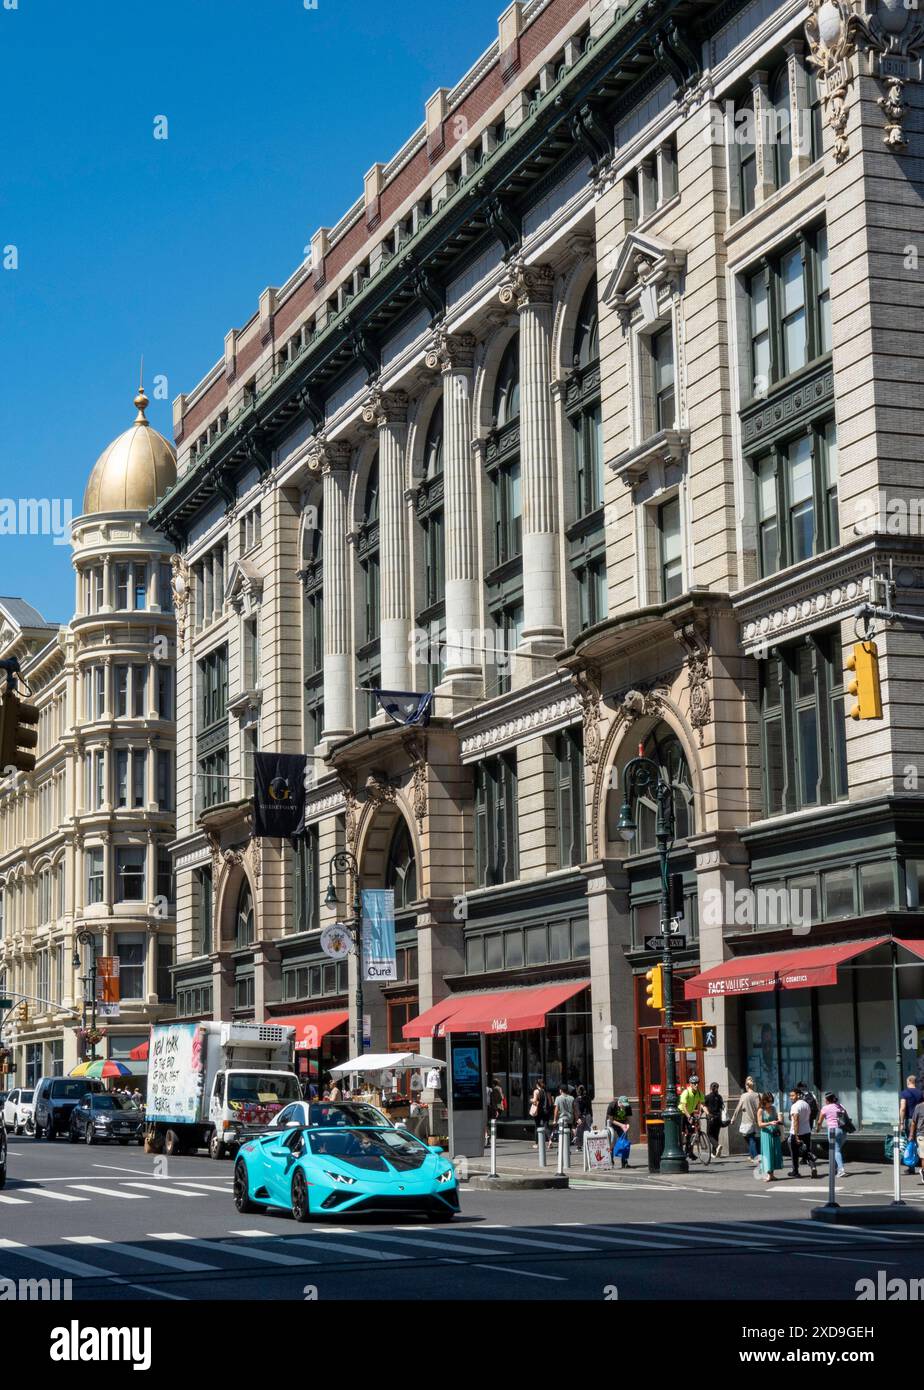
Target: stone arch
(375, 831)
(362, 462)
(569, 302)
(231, 880)
(627, 731)
(418, 430)
(486, 374)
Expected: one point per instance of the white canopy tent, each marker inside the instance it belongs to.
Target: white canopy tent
(385, 1061)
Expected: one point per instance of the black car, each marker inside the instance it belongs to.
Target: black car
(102, 1118)
(55, 1098)
(2, 1153)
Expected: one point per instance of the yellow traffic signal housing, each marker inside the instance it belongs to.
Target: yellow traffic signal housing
(864, 662)
(654, 989)
(17, 734)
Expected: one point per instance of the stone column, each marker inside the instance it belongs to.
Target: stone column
(333, 459)
(799, 109)
(763, 144)
(388, 412)
(611, 989)
(530, 289)
(454, 356)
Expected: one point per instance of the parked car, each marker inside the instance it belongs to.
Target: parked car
(104, 1118)
(315, 1171)
(2, 1153)
(55, 1098)
(18, 1109)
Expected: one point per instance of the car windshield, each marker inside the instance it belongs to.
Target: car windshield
(344, 1113)
(110, 1103)
(259, 1088)
(363, 1148)
(68, 1090)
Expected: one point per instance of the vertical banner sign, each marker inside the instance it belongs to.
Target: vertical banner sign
(107, 986)
(279, 794)
(379, 958)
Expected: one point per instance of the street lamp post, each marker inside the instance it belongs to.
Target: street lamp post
(345, 862)
(643, 774)
(86, 938)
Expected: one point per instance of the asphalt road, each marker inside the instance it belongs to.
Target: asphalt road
(113, 1222)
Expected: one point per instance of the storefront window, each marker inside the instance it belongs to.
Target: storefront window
(795, 1042)
(876, 1022)
(837, 1069)
(762, 1043)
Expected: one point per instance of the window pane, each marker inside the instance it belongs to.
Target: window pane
(838, 890)
(802, 507)
(793, 309)
(877, 887)
(807, 725)
(822, 271)
(767, 516)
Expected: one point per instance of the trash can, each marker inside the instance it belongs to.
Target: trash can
(654, 1125)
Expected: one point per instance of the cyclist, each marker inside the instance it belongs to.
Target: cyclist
(691, 1104)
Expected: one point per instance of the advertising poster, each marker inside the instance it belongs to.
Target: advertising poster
(379, 958)
(465, 1057)
(597, 1152)
(175, 1073)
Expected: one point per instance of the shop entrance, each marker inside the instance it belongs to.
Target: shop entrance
(653, 1070)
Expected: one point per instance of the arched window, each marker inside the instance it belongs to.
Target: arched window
(313, 624)
(431, 617)
(586, 545)
(781, 129)
(244, 920)
(369, 666)
(507, 387)
(664, 748)
(401, 867)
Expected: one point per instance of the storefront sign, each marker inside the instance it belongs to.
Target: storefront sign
(379, 958)
(597, 1152)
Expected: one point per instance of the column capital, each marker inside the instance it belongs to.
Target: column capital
(328, 455)
(526, 286)
(385, 408)
(450, 352)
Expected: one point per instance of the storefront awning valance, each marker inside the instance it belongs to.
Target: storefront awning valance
(311, 1028)
(497, 1011)
(915, 947)
(803, 969)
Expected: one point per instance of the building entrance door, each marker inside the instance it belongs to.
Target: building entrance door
(653, 1070)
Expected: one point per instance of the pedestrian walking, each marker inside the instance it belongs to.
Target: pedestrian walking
(715, 1106)
(771, 1146)
(496, 1104)
(908, 1101)
(334, 1093)
(564, 1110)
(618, 1116)
(800, 1133)
(584, 1115)
(746, 1110)
(917, 1133)
(539, 1107)
(831, 1116)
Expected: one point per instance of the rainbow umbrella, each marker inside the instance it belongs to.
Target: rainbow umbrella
(105, 1067)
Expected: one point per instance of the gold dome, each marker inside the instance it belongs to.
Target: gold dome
(134, 471)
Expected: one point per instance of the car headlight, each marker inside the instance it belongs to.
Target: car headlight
(448, 1175)
(340, 1177)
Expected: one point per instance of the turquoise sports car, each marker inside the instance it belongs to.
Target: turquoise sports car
(320, 1171)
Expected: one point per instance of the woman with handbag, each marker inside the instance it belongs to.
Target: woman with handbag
(771, 1143)
(747, 1109)
(539, 1107)
(832, 1116)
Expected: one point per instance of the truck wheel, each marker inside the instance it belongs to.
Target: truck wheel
(49, 1131)
(242, 1189)
(172, 1145)
(301, 1208)
(217, 1149)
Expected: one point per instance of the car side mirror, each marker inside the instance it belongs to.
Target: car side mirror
(437, 1149)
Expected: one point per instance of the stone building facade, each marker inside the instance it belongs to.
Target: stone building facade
(84, 838)
(591, 416)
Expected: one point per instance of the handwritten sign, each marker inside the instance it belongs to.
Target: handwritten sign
(175, 1073)
(597, 1152)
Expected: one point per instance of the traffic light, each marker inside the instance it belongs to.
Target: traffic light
(864, 662)
(702, 1035)
(17, 734)
(676, 895)
(654, 990)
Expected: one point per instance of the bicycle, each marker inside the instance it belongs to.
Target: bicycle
(696, 1143)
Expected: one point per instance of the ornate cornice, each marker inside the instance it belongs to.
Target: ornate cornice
(526, 286)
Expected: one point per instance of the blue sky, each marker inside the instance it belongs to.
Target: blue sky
(129, 245)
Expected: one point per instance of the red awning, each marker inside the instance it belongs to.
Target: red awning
(915, 947)
(816, 965)
(311, 1028)
(140, 1053)
(500, 1011)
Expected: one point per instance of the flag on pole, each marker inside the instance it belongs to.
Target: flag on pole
(279, 793)
(406, 706)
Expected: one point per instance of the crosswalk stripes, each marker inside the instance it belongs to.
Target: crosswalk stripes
(139, 1252)
(110, 1192)
(61, 1263)
(55, 1196)
(269, 1257)
(14, 1201)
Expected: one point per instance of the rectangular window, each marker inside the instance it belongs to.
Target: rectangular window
(204, 910)
(213, 687)
(307, 881)
(94, 863)
(592, 595)
(165, 708)
(251, 654)
(588, 449)
(798, 481)
(122, 582)
(669, 544)
(165, 958)
(165, 799)
(138, 775)
(746, 145)
(164, 589)
(120, 677)
(823, 290)
(165, 883)
(569, 796)
(130, 874)
(803, 745)
(140, 582)
(801, 498)
(100, 681)
(831, 475)
(99, 576)
(99, 770)
(496, 850)
(793, 330)
(139, 691)
(121, 792)
(662, 361)
(789, 307)
(130, 951)
(759, 310)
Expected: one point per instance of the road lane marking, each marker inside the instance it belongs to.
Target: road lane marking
(525, 1273)
(16, 1201)
(163, 1186)
(267, 1256)
(109, 1192)
(160, 1293)
(322, 1243)
(434, 1243)
(61, 1263)
(522, 1240)
(844, 1259)
(136, 1253)
(56, 1196)
(168, 1235)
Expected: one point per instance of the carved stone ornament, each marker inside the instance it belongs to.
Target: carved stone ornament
(829, 32)
(646, 267)
(180, 589)
(526, 285)
(385, 408)
(587, 684)
(351, 808)
(895, 111)
(450, 352)
(416, 750)
(697, 650)
(639, 704)
(379, 790)
(325, 454)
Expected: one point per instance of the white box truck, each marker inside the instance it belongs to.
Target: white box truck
(209, 1080)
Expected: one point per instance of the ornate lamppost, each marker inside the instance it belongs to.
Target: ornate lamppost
(345, 862)
(86, 938)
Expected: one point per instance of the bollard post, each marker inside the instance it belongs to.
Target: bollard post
(493, 1173)
(567, 1138)
(561, 1147)
(540, 1135)
(897, 1168)
(832, 1161)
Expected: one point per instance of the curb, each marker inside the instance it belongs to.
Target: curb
(893, 1214)
(484, 1183)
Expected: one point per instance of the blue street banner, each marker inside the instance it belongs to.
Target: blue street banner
(379, 958)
